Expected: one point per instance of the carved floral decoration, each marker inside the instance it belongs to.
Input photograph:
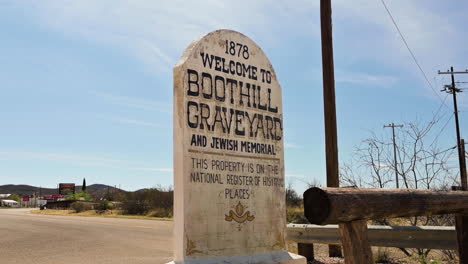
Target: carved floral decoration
(239, 215)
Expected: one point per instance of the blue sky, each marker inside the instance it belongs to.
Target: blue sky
(87, 85)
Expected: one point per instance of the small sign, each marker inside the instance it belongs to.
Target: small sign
(66, 188)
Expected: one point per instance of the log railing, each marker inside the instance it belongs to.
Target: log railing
(430, 237)
(350, 208)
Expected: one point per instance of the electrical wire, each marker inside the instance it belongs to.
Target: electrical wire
(412, 54)
(443, 128)
(440, 108)
(433, 155)
(430, 156)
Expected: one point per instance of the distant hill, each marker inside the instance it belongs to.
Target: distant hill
(98, 191)
(25, 189)
(95, 190)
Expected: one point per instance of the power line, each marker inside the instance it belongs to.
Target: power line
(433, 155)
(451, 116)
(440, 108)
(411, 52)
(430, 156)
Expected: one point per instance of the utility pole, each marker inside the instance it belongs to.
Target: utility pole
(328, 73)
(461, 221)
(464, 180)
(451, 89)
(392, 125)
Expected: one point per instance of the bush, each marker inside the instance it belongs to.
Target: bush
(81, 196)
(296, 216)
(382, 256)
(292, 198)
(160, 212)
(141, 203)
(103, 205)
(79, 207)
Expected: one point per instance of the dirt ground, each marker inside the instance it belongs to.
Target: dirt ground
(381, 255)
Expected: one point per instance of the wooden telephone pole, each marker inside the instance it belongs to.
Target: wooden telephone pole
(461, 221)
(328, 71)
(464, 177)
(451, 89)
(392, 125)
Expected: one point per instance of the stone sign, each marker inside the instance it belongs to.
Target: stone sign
(228, 155)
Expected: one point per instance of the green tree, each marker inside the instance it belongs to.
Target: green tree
(81, 196)
(83, 187)
(14, 197)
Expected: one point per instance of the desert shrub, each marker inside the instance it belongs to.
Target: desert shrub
(382, 256)
(104, 205)
(142, 202)
(451, 256)
(81, 196)
(296, 216)
(79, 207)
(425, 260)
(160, 212)
(135, 204)
(292, 198)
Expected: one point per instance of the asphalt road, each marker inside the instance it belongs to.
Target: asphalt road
(37, 239)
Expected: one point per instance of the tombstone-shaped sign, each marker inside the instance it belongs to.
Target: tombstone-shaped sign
(228, 154)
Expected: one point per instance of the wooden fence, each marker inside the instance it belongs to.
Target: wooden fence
(433, 237)
(350, 208)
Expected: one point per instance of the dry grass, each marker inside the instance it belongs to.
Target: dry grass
(93, 213)
(392, 256)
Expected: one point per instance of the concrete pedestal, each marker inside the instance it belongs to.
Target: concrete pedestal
(271, 258)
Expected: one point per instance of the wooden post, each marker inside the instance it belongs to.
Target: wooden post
(306, 250)
(328, 72)
(331, 139)
(464, 181)
(461, 221)
(461, 224)
(355, 242)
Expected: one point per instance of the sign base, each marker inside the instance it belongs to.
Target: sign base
(270, 258)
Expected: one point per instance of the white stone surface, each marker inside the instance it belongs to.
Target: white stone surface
(270, 258)
(228, 154)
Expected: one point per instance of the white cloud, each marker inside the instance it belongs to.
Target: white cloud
(368, 31)
(71, 158)
(294, 175)
(155, 169)
(158, 31)
(136, 122)
(291, 145)
(84, 160)
(133, 102)
(365, 79)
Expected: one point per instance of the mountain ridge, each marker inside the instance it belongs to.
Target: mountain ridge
(96, 190)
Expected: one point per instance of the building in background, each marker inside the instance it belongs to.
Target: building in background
(9, 203)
